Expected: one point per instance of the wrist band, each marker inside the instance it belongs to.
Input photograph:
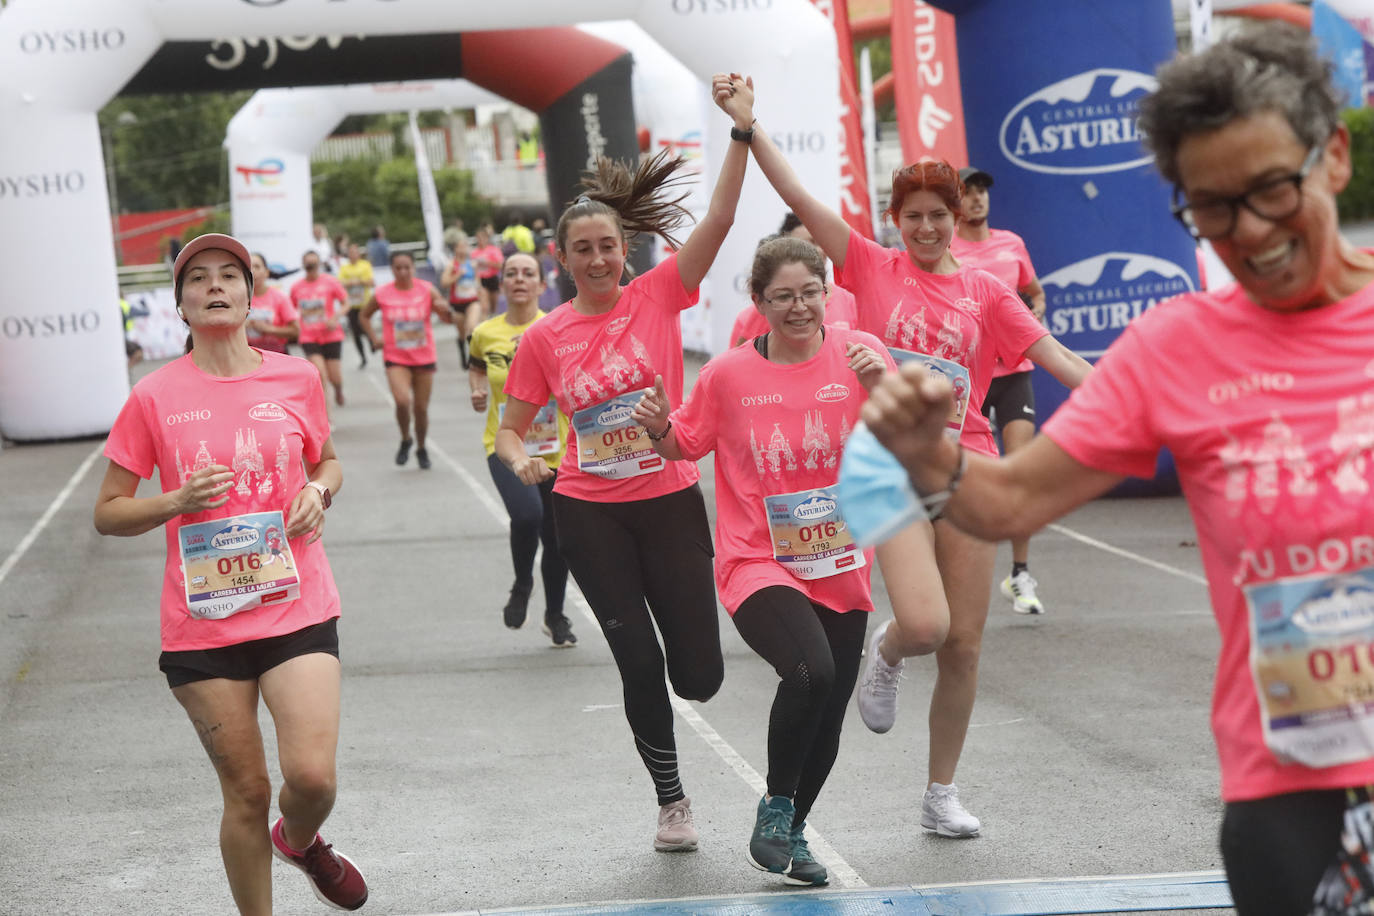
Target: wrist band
(744, 136)
(936, 503)
(660, 437)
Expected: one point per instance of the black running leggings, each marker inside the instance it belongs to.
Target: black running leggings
(1276, 849)
(355, 324)
(655, 551)
(815, 652)
(531, 521)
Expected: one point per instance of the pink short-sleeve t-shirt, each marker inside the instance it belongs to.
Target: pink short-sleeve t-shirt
(264, 426)
(274, 308)
(968, 317)
(840, 312)
(319, 302)
(1002, 254)
(586, 360)
(407, 332)
(776, 429)
(1270, 419)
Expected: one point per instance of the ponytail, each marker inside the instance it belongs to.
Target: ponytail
(641, 201)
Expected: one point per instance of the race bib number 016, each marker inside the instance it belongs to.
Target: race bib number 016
(611, 444)
(810, 538)
(1312, 657)
(237, 563)
(957, 376)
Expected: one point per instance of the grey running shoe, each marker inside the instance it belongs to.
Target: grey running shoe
(770, 848)
(878, 686)
(942, 812)
(804, 870)
(403, 453)
(676, 832)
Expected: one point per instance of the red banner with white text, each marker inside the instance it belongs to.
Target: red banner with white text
(854, 199)
(925, 68)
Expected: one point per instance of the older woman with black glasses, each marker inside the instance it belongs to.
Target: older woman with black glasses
(1276, 463)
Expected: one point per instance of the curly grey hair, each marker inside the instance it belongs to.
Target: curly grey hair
(1264, 67)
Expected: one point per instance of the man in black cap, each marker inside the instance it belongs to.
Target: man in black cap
(1009, 404)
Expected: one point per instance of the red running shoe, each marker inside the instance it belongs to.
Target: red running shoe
(334, 879)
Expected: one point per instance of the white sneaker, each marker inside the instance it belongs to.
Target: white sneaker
(941, 812)
(1020, 588)
(878, 686)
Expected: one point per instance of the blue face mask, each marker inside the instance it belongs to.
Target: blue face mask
(875, 490)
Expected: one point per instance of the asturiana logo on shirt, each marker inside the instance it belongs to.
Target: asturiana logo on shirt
(187, 416)
(234, 537)
(757, 400)
(615, 416)
(267, 411)
(620, 324)
(832, 392)
(1347, 607)
(814, 508)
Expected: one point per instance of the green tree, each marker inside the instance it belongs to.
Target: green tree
(354, 195)
(168, 150)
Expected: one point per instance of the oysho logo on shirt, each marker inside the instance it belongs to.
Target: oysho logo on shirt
(570, 348)
(187, 416)
(267, 411)
(832, 392)
(758, 400)
(1234, 389)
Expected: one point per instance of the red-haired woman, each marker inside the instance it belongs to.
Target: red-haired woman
(956, 321)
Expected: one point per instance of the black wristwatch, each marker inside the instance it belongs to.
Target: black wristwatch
(744, 136)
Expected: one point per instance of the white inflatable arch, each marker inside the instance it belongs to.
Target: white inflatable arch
(62, 368)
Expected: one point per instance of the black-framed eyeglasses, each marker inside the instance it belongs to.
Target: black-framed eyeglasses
(786, 298)
(1274, 200)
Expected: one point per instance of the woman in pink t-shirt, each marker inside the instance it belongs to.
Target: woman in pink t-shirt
(273, 322)
(777, 413)
(1262, 392)
(240, 439)
(322, 304)
(486, 258)
(631, 525)
(407, 346)
(958, 320)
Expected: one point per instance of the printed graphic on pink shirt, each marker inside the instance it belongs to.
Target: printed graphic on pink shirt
(967, 318)
(321, 304)
(1002, 254)
(220, 586)
(407, 328)
(778, 432)
(587, 361)
(1270, 418)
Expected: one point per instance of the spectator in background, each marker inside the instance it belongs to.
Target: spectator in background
(322, 246)
(378, 249)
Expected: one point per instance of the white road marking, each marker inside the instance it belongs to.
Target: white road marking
(1103, 545)
(15, 555)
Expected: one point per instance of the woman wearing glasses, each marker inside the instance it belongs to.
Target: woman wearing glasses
(787, 569)
(1275, 461)
(928, 308)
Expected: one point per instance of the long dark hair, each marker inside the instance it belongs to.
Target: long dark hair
(647, 199)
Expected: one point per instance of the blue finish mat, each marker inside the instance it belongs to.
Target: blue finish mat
(1195, 891)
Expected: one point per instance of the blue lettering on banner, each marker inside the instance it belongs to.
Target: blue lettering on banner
(1082, 125)
(1091, 301)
